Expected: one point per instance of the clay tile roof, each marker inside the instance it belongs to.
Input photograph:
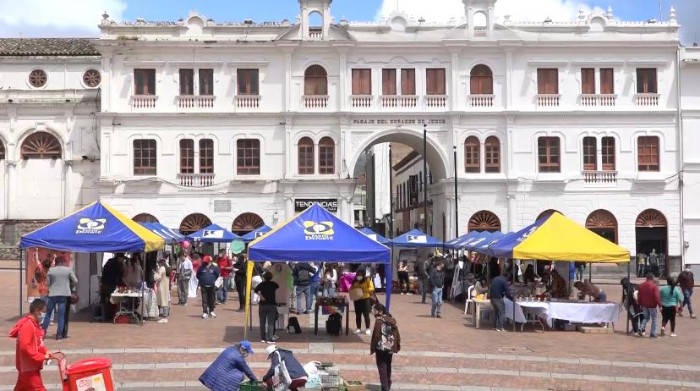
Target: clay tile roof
(47, 47)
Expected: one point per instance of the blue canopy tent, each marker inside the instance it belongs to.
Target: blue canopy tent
(375, 236)
(316, 235)
(477, 241)
(170, 236)
(483, 247)
(213, 234)
(416, 238)
(457, 243)
(252, 235)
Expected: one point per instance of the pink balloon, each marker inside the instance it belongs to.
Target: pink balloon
(185, 244)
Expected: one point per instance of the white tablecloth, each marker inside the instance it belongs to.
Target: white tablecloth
(573, 312)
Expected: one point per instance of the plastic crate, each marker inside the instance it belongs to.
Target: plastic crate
(251, 386)
(330, 378)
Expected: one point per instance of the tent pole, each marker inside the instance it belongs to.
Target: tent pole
(21, 262)
(590, 272)
(513, 263)
(628, 299)
(143, 284)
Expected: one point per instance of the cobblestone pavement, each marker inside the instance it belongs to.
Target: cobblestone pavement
(437, 354)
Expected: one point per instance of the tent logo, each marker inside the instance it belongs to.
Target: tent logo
(416, 239)
(322, 230)
(90, 226)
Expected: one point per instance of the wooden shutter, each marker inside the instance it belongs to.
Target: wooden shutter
(472, 158)
(548, 81)
(646, 81)
(362, 82)
(648, 153)
(492, 151)
(608, 153)
(248, 157)
(607, 81)
(186, 82)
(481, 80)
(388, 81)
(408, 82)
(590, 155)
(588, 81)
(186, 156)
(435, 81)
(548, 154)
(306, 156)
(145, 157)
(326, 156)
(206, 156)
(206, 82)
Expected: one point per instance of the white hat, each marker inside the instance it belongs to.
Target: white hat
(270, 349)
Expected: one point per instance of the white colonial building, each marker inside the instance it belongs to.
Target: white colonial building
(243, 123)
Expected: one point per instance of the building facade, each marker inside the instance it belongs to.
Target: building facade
(242, 123)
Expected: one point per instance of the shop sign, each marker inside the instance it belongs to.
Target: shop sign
(330, 204)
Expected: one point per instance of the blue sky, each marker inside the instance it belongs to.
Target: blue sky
(80, 17)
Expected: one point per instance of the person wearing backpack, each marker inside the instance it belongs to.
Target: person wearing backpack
(385, 342)
(302, 274)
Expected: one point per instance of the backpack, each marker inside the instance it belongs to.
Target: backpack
(303, 277)
(386, 339)
(293, 326)
(334, 324)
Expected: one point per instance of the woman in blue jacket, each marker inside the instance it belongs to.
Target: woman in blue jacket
(227, 372)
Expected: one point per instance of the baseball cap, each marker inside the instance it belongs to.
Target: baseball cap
(206, 259)
(270, 349)
(246, 345)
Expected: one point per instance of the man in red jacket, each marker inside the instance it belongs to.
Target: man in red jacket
(649, 300)
(31, 352)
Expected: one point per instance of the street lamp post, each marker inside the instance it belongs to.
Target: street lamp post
(456, 203)
(425, 178)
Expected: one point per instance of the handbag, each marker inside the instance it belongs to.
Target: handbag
(219, 282)
(281, 379)
(355, 294)
(74, 298)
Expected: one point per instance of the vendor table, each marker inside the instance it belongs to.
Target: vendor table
(583, 312)
(478, 303)
(340, 307)
(123, 309)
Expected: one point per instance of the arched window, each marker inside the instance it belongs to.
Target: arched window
(546, 214)
(246, 222)
(472, 158)
(194, 223)
(326, 156)
(484, 221)
(481, 80)
(492, 152)
(41, 145)
(145, 218)
(603, 223)
(306, 156)
(186, 156)
(651, 218)
(2, 151)
(315, 81)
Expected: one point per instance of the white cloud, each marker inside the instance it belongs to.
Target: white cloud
(56, 17)
(519, 10)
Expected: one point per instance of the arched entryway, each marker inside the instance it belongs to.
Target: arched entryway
(145, 218)
(194, 223)
(651, 233)
(546, 213)
(603, 223)
(484, 221)
(246, 222)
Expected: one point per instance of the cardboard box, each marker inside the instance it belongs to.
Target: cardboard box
(356, 386)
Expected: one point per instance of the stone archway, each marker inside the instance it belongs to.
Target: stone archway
(603, 223)
(484, 220)
(194, 223)
(651, 233)
(145, 218)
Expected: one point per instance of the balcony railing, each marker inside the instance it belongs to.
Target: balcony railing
(399, 101)
(481, 100)
(196, 180)
(362, 101)
(602, 100)
(435, 101)
(316, 32)
(247, 101)
(315, 101)
(590, 176)
(548, 100)
(195, 101)
(647, 99)
(143, 101)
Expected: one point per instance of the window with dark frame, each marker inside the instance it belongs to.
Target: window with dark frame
(145, 158)
(144, 81)
(548, 81)
(472, 157)
(2, 151)
(481, 80)
(607, 153)
(248, 157)
(306, 156)
(206, 156)
(315, 81)
(362, 82)
(607, 81)
(492, 152)
(408, 81)
(388, 81)
(648, 153)
(590, 154)
(435, 82)
(326, 156)
(186, 156)
(548, 153)
(588, 81)
(206, 82)
(248, 82)
(646, 81)
(186, 81)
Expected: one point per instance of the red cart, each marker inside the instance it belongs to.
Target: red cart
(93, 374)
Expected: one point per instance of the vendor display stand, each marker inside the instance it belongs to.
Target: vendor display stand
(126, 310)
(336, 305)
